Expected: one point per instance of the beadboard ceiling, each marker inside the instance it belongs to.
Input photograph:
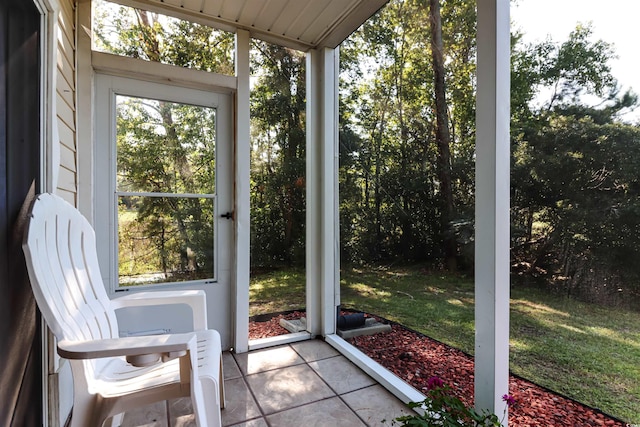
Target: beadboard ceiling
(299, 24)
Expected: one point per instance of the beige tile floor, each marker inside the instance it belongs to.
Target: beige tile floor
(302, 384)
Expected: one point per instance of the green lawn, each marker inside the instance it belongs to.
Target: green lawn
(588, 352)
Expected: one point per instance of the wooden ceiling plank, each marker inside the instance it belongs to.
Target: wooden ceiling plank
(231, 9)
(283, 22)
(350, 22)
(250, 10)
(212, 7)
(304, 20)
(334, 11)
(192, 5)
(314, 25)
(270, 14)
(173, 2)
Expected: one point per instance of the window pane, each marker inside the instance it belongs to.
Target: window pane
(164, 147)
(165, 239)
(137, 33)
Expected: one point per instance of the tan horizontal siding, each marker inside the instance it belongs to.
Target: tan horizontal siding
(66, 135)
(66, 114)
(67, 179)
(67, 158)
(66, 101)
(66, 19)
(65, 92)
(65, 48)
(66, 69)
(69, 196)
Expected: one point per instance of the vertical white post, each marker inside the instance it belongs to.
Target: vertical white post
(242, 159)
(334, 118)
(313, 244)
(492, 207)
(322, 258)
(330, 227)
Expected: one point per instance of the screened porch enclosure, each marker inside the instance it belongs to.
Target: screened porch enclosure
(104, 81)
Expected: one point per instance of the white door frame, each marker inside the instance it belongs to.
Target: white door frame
(49, 164)
(219, 290)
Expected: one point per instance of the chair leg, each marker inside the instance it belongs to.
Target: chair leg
(221, 385)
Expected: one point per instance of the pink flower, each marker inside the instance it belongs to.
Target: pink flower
(509, 399)
(434, 382)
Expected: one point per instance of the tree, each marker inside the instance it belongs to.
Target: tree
(574, 169)
(443, 137)
(278, 157)
(408, 192)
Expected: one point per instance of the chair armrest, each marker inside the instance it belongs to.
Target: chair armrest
(139, 351)
(196, 299)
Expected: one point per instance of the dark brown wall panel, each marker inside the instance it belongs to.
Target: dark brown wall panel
(20, 353)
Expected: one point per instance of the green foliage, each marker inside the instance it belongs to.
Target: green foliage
(390, 192)
(442, 408)
(574, 173)
(278, 162)
(141, 34)
(164, 147)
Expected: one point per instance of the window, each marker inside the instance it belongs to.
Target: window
(165, 188)
(137, 33)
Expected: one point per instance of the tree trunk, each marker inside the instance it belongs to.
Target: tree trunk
(443, 137)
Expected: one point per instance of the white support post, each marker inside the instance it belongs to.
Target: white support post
(242, 159)
(313, 244)
(492, 207)
(322, 258)
(329, 198)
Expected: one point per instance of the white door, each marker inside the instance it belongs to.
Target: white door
(163, 198)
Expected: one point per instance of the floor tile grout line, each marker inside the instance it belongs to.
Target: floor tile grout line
(302, 404)
(352, 410)
(339, 396)
(253, 396)
(304, 362)
(270, 369)
(264, 416)
(306, 404)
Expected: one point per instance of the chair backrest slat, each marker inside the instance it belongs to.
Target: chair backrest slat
(64, 272)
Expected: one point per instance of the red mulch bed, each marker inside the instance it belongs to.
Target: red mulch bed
(415, 358)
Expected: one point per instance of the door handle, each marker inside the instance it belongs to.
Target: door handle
(227, 215)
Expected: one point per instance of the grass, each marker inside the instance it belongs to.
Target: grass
(277, 291)
(588, 352)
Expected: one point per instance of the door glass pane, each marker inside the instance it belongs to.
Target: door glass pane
(165, 147)
(165, 239)
(165, 185)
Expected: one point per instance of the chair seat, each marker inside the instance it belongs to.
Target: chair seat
(118, 378)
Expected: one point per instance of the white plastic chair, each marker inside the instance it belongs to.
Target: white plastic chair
(112, 375)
